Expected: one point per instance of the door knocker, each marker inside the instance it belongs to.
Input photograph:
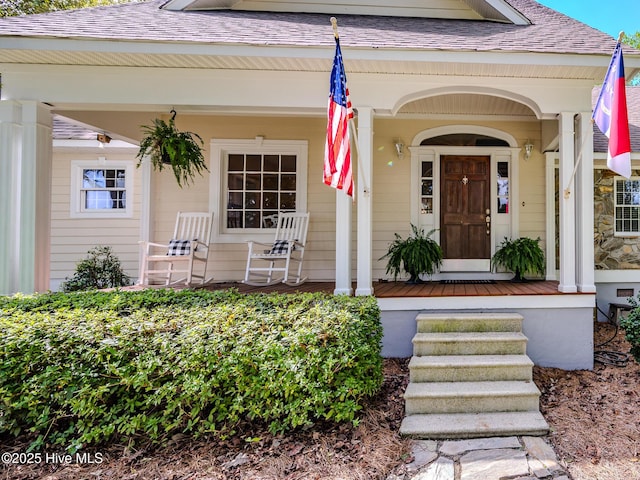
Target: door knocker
(465, 180)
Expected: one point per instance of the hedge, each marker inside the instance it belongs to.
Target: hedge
(86, 368)
(631, 326)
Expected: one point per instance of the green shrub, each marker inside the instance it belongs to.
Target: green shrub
(90, 367)
(100, 269)
(631, 326)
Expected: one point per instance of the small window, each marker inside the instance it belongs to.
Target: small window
(503, 187)
(426, 194)
(101, 189)
(627, 206)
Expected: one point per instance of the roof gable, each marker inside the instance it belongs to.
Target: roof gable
(494, 10)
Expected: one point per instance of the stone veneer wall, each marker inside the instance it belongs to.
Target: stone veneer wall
(611, 253)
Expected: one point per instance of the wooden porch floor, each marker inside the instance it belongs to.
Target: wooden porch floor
(400, 289)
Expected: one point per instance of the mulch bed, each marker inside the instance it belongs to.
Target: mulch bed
(595, 415)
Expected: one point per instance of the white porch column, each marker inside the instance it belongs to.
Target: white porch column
(584, 202)
(344, 204)
(147, 216)
(567, 205)
(550, 195)
(10, 153)
(25, 185)
(364, 284)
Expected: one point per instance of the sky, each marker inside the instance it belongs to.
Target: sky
(610, 16)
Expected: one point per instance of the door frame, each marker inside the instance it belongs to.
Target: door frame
(502, 225)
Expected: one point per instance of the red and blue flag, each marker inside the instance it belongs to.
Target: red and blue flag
(610, 114)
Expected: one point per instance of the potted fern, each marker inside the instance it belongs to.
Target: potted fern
(520, 256)
(166, 146)
(416, 255)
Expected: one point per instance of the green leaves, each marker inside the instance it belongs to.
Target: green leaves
(631, 326)
(166, 145)
(100, 269)
(520, 256)
(417, 254)
(91, 367)
(27, 7)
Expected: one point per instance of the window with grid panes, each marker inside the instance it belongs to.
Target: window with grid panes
(258, 187)
(627, 206)
(101, 189)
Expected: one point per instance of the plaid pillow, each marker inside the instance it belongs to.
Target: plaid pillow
(179, 247)
(280, 246)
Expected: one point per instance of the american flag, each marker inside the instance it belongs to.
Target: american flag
(337, 153)
(610, 114)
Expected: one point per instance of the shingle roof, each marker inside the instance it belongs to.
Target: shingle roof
(550, 31)
(600, 141)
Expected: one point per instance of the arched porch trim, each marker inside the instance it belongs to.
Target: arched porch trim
(475, 129)
(450, 90)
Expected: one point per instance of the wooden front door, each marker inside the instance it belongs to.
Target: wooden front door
(465, 232)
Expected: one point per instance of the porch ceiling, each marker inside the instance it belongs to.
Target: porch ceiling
(467, 104)
(299, 64)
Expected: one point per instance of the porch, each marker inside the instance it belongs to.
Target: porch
(387, 289)
(559, 326)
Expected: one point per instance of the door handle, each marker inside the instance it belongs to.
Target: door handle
(488, 221)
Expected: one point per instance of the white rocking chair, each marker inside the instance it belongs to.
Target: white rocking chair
(286, 252)
(188, 247)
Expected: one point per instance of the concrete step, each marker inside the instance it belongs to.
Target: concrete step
(471, 397)
(474, 425)
(470, 368)
(470, 343)
(469, 322)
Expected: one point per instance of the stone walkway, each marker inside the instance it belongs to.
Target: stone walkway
(513, 458)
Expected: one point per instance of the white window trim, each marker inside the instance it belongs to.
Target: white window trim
(220, 148)
(77, 168)
(616, 233)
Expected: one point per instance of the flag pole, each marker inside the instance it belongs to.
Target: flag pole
(567, 191)
(352, 127)
(334, 23)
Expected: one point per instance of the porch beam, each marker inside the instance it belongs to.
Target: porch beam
(567, 205)
(364, 284)
(584, 204)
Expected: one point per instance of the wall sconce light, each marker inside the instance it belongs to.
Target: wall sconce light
(528, 148)
(399, 144)
(103, 138)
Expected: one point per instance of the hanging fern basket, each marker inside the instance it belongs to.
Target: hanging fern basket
(166, 146)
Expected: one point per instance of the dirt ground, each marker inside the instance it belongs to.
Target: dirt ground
(594, 417)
